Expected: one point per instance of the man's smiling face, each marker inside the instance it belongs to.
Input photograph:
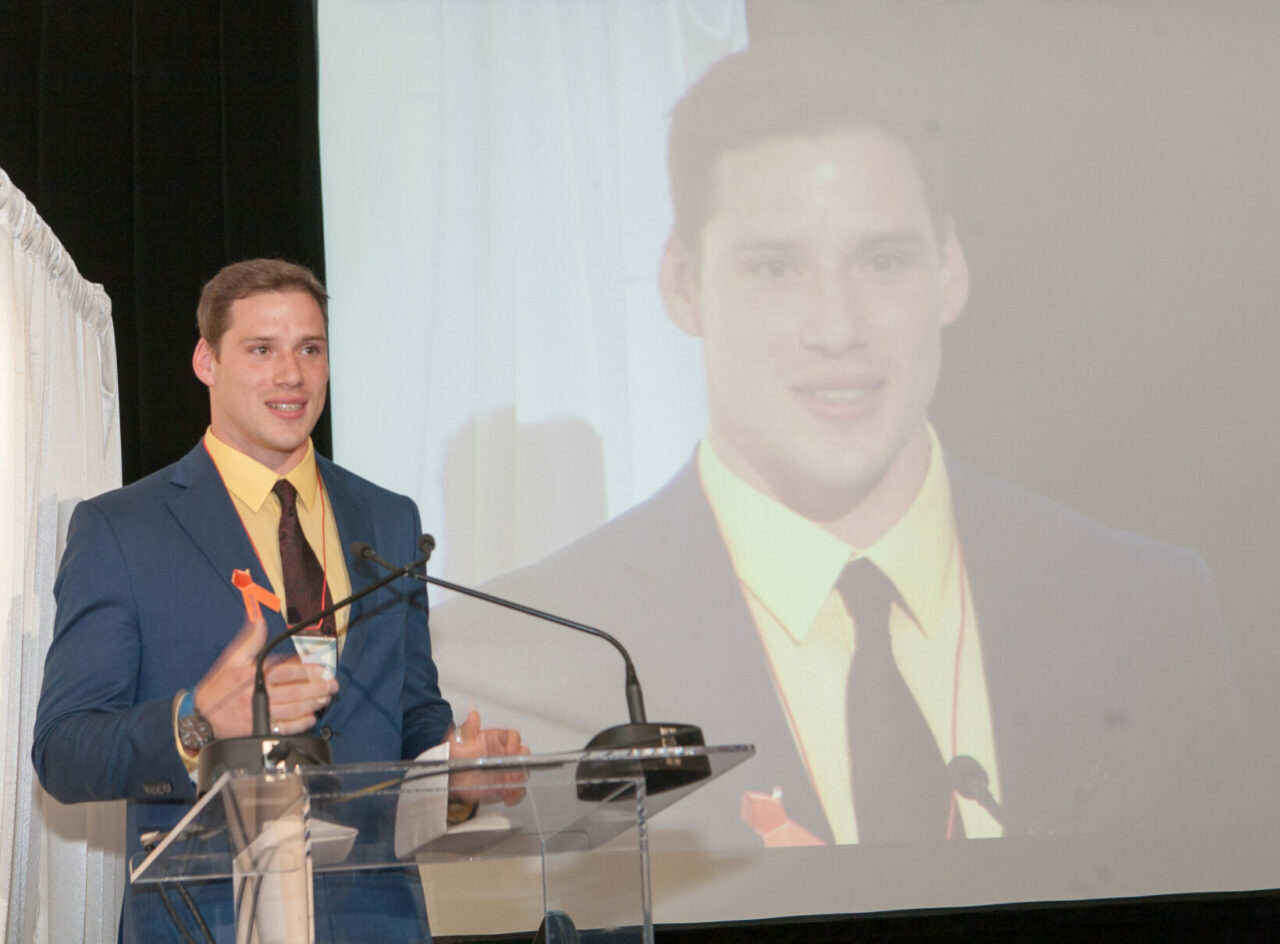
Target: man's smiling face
(819, 288)
(268, 377)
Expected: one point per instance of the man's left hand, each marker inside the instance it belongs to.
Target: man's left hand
(485, 786)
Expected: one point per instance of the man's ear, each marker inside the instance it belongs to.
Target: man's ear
(203, 361)
(955, 276)
(677, 281)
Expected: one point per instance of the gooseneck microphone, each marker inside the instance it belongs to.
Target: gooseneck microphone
(262, 749)
(635, 696)
(639, 732)
(261, 702)
(969, 779)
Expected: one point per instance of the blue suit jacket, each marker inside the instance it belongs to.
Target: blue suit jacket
(1112, 700)
(145, 607)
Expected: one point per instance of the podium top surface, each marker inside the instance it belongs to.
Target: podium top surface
(373, 816)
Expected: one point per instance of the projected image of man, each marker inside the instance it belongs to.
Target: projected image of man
(820, 283)
(823, 579)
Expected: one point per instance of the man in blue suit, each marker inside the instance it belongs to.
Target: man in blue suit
(152, 655)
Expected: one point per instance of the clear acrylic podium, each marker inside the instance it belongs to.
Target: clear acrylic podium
(271, 833)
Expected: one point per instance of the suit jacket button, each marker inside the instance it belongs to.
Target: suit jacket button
(326, 732)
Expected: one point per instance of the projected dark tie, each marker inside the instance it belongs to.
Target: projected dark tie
(305, 591)
(900, 787)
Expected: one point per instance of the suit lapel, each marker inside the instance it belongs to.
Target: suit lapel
(720, 641)
(1028, 623)
(204, 510)
(355, 523)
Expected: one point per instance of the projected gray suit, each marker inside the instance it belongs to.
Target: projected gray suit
(1111, 695)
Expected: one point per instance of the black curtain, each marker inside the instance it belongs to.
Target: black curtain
(161, 141)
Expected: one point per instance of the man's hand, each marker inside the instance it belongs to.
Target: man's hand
(298, 691)
(485, 786)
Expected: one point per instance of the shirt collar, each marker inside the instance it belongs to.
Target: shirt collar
(251, 481)
(790, 563)
(918, 551)
(786, 561)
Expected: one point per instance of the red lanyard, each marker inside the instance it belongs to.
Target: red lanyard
(324, 542)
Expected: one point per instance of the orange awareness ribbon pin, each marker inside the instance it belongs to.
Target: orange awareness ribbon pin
(255, 597)
(763, 812)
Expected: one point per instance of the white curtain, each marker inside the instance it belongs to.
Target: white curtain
(61, 867)
(495, 207)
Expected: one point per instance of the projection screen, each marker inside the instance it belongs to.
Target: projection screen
(684, 441)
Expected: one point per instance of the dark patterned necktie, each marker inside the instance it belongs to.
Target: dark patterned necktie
(305, 591)
(900, 785)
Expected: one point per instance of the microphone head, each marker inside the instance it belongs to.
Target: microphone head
(362, 550)
(426, 544)
(968, 777)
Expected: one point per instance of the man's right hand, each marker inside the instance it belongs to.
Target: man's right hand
(298, 690)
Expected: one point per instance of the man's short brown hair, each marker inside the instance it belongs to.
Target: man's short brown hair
(252, 277)
(786, 88)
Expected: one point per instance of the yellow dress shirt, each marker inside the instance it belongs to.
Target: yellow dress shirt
(250, 483)
(788, 565)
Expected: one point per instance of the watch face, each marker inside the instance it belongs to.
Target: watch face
(194, 731)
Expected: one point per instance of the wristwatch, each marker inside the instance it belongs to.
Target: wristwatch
(194, 729)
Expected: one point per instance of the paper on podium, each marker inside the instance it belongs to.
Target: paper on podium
(331, 843)
(421, 814)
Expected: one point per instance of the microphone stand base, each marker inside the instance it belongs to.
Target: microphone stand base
(276, 752)
(598, 780)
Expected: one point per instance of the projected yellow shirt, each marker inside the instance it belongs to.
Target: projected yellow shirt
(788, 566)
